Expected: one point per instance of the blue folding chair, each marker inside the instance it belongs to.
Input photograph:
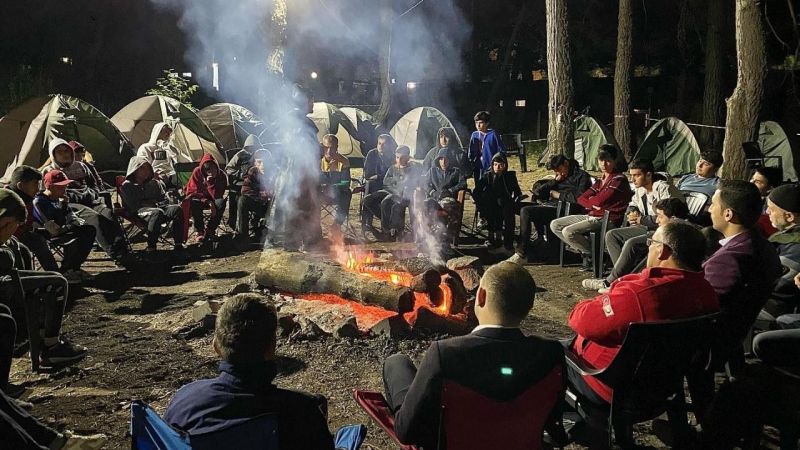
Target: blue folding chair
(150, 432)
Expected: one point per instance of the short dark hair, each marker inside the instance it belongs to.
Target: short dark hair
(512, 289)
(607, 152)
(773, 175)
(687, 243)
(644, 165)
(11, 205)
(484, 116)
(673, 207)
(24, 173)
(743, 198)
(556, 161)
(246, 326)
(713, 156)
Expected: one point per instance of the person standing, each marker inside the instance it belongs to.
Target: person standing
(484, 143)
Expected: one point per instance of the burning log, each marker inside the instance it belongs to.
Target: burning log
(300, 273)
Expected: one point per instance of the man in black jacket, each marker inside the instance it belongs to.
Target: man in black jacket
(496, 360)
(496, 195)
(391, 201)
(569, 183)
(377, 163)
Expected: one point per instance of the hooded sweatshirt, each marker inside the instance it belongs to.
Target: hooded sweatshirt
(139, 198)
(199, 186)
(85, 190)
(158, 153)
(445, 183)
(458, 157)
(503, 187)
(241, 162)
(482, 147)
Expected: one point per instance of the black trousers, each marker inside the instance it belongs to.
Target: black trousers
(108, 232)
(75, 254)
(389, 207)
(246, 206)
(398, 374)
(159, 216)
(8, 335)
(22, 431)
(535, 217)
(778, 347)
(37, 244)
(196, 207)
(499, 215)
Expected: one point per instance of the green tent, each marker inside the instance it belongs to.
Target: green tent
(418, 129)
(231, 124)
(671, 146)
(192, 137)
(26, 131)
(589, 136)
(773, 142)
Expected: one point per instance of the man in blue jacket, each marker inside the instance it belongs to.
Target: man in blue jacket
(483, 145)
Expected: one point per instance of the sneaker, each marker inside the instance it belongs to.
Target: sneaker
(62, 353)
(81, 442)
(516, 258)
(603, 290)
(594, 283)
(72, 276)
(483, 224)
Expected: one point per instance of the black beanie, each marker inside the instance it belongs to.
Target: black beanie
(786, 197)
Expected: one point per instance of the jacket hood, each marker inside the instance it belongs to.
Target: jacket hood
(54, 143)
(251, 143)
(450, 133)
(208, 157)
(134, 164)
(499, 157)
(155, 132)
(443, 153)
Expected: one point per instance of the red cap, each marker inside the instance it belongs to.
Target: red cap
(75, 145)
(56, 177)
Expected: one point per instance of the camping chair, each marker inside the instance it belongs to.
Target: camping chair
(32, 320)
(598, 241)
(514, 146)
(328, 206)
(470, 420)
(562, 210)
(696, 201)
(647, 375)
(135, 224)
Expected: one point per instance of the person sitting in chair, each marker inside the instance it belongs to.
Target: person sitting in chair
(497, 195)
(161, 154)
(51, 211)
(443, 184)
(391, 202)
(674, 268)
(377, 163)
(143, 196)
(496, 360)
(446, 138)
(236, 169)
(206, 187)
(256, 196)
(245, 339)
(335, 179)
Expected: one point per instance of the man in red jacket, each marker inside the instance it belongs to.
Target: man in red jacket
(674, 267)
(611, 193)
(206, 188)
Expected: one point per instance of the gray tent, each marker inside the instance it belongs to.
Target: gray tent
(589, 136)
(26, 131)
(671, 146)
(773, 142)
(418, 129)
(231, 123)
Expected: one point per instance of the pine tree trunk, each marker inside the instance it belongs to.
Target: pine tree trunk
(277, 31)
(683, 50)
(560, 132)
(712, 91)
(744, 105)
(384, 55)
(622, 79)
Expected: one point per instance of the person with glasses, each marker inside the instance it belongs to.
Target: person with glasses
(674, 267)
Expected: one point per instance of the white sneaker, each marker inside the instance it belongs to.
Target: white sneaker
(603, 290)
(72, 276)
(594, 283)
(516, 258)
(81, 442)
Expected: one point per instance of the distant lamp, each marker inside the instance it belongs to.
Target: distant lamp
(314, 75)
(215, 75)
(520, 103)
(500, 103)
(393, 81)
(66, 60)
(411, 85)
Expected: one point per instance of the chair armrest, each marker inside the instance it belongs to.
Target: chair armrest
(580, 365)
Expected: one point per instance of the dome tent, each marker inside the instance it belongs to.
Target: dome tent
(331, 120)
(231, 124)
(191, 136)
(671, 146)
(590, 135)
(773, 141)
(418, 129)
(26, 131)
(365, 126)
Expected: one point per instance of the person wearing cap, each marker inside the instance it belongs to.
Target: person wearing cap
(93, 177)
(144, 195)
(257, 193)
(783, 209)
(52, 212)
(87, 202)
(443, 185)
(497, 195)
(49, 288)
(236, 169)
(391, 201)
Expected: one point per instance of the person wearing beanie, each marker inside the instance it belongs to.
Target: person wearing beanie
(497, 195)
(62, 227)
(783, 209)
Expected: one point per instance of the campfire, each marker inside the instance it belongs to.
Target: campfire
(379, 291)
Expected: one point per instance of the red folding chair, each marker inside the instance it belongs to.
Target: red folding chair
(470, 420)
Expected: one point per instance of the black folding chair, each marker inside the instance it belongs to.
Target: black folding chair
(562, 210)
(647, 375)
(598, 241)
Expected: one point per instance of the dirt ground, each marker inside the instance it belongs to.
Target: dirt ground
(128, 322)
